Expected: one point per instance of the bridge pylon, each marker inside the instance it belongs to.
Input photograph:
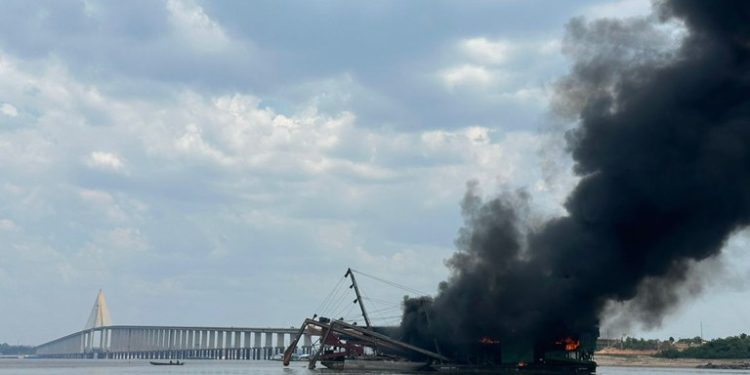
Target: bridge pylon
(99, 316)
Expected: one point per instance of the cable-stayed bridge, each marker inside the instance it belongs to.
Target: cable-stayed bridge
(101, 339)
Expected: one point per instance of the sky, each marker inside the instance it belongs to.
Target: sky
(223, 163)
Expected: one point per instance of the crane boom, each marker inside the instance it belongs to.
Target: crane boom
(359, 297)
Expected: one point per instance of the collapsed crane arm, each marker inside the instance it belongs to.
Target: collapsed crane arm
(365, 335)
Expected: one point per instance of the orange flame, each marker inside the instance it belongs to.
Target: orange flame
(569, 344)
(488, 341)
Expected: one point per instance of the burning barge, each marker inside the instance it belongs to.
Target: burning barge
(346, 346)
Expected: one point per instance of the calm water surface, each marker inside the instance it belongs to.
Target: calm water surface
(113, 367)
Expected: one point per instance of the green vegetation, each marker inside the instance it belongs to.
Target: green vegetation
(15, 349)
(734, 347)
(631, 343)
(694, 341)
(641, 344)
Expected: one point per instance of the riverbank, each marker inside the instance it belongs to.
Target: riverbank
(639, 360)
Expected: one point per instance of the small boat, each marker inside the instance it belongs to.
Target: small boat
(170, 363)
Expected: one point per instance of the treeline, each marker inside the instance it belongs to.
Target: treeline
(15, 349)
(641, 344)
(733, 347)
(631, 343)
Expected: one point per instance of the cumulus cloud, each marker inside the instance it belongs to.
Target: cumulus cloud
(104, 160)
(192, 144)
(467, 75)
(487, 51)
(120, 241)
(8, 225)
(197, 30)
(96, 197)
(8, 110)
(500, 71)
(109, 250)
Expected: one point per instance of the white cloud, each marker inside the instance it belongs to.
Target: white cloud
(116, 243)
(478, 134)
(8, 110)
(25, 150)
(195, 27)
(233, 174)
(126, 239)
(109, 251)
(302, 156)
(114, 209)
(96, 197)
(192, 143)
(486, 51)
(549, 47)
(8, 225)
(467, 75)
(503, 71)
(104, 160)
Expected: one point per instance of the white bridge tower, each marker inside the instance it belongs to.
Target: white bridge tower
(99, 316)
(95, 341)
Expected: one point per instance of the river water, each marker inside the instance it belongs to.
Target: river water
(115, 367)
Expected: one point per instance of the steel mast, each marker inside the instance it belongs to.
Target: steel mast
(359, 297)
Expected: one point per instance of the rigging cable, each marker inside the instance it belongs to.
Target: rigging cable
(324, 304)
(391, 283)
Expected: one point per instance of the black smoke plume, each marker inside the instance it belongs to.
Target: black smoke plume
(663, 152)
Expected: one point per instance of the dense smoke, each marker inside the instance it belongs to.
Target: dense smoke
(663, 152)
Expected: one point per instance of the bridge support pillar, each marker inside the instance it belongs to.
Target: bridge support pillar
(307, 341)
(280, 343)
(246, 346)
(269, 345)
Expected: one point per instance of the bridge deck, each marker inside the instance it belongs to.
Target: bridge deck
(173, 342)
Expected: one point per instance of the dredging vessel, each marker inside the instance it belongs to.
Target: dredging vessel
(348, 346)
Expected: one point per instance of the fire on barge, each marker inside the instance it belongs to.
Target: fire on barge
(347, 346)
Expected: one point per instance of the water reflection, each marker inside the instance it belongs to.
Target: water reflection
(112, 367)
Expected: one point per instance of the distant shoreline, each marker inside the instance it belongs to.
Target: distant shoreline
(650, 361)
